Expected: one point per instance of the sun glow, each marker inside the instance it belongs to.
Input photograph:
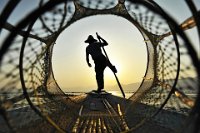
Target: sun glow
(126, 51)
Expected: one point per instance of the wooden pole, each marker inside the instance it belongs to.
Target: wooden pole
(121, 89)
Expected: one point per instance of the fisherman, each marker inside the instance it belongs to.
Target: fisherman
(101, 62)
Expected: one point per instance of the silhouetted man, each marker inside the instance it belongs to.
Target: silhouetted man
(101, 62)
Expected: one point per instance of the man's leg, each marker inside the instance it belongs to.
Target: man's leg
(100, 66)
(100, 80)
(99, 69)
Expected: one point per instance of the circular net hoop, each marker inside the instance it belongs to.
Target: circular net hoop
(32, 101)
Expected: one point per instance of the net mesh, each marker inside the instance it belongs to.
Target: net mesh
(30, 95)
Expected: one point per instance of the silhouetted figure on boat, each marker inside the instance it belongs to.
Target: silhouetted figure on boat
(101, 62)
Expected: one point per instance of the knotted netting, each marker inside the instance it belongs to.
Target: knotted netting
(31, 97)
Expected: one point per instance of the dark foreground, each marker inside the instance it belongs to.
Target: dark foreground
(97, 113)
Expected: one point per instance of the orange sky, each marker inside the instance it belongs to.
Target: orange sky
(126, 50)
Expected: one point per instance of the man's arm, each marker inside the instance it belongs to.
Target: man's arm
(87, 58)
(104, 42)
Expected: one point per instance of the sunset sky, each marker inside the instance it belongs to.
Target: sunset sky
(126, 49)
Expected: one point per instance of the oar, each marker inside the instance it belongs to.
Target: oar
(121, 89)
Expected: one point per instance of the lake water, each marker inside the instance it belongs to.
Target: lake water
(116, 93)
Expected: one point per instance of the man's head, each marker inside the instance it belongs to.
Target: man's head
(90, 39)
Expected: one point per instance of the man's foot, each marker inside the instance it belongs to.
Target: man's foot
(113, 68)
(97, 91)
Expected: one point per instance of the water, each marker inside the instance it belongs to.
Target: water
(115, 93)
